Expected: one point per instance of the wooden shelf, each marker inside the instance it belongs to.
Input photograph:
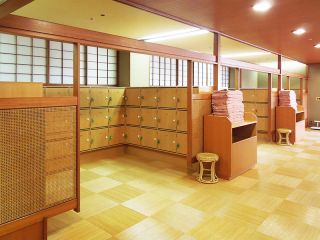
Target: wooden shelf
(235, 143)
(288, 117)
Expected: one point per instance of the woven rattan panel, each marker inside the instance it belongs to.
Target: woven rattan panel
(37, 160)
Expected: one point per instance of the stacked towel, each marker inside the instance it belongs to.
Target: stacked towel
(287, 98)
(229, 104)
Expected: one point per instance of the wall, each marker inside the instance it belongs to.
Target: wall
(139, 70)
(124, 68)
(314, 91)
(249, 79)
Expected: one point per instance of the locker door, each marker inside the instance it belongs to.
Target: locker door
(182, 98)
(149, 117)
(134, 135)
(149, 97)
(85, 119)
(149, 138)
(116, 116)
(250, 107)
(116, 96)
(248, 95)
(181, 143)
(99, 117)
(85, 98)
(115, 136)
(182, 121)
(262, 124)
(134, 116)
(167, 119)
(85, 140)
(100, 97)
(261, 95)
(133, 96)
(99, 138)
(262, 109)
(167, 97)
(167, 141)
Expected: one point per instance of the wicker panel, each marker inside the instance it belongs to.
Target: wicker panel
(34, 175)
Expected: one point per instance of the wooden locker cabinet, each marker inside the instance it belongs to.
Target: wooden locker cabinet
(116, 116)
(182, 121)
(182, 98)
(181, 143)
(85, 119)
(85, 97)
(261, 95)
(58, 92)
(149, 97)
(149, 138)
(116, 96)
(133, 97)
(262, 109)
(100, 117)
(167, 141)
(99, 138)
(149, 117)
(133, 135)
(100, 97)
(64, 146)
(85, 140)
(167, 119)
(167, 97)
(115, 136)
(58, 125)
(262, 124)
(248, 95)
(133, 116)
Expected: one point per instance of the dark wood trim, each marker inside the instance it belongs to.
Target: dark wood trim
(301, 91)
(76, 93)
(37, 102)
(189, 123)
(216, 69)
(41, 29)
(36, 217)
(11, 5)
(270, 105)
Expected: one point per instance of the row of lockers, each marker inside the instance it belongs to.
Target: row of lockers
(107, 96)
(170, 119)
(160, 140)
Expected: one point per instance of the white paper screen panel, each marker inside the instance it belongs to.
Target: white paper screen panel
(162, 71)
(202, 74)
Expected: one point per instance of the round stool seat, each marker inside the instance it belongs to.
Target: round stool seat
(284, 130)
(207, 157)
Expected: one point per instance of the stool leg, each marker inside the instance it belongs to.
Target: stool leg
(214, 177)
(279, 138)
(201, 171)
(287, 139)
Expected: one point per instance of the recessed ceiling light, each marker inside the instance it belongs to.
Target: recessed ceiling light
(299, 31)
(317, 45)
(262, 6)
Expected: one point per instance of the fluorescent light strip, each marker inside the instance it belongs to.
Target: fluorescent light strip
(262, 6)
(245, 54)
(176, 34)
(299, 31)
(317, 45)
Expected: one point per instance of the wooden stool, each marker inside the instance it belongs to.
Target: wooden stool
(284, 134)
(207, 158)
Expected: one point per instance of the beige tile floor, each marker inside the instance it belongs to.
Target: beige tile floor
(127, 198)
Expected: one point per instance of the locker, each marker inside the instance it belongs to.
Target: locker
(116, 116)
(99, 138)
(182, 121)
(134, 135)
(261, 95)
(149, 138)
(115, 136)
(167, 97)
(262, 109)
(250, 107)
(149, 117)
(116, 96)
(167, 141)
(149, 97)
(58, 92)
(85, 98)
(133, 96)
(100, 97)
(248, 95)
(262, 124)
(85, 140)
(100, 117)
(181, 143)
(85, 119)
(167, 119)
(182, 98)
(133, 116)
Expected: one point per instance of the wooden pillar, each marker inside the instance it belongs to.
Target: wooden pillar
(216, 52)
(238, 79)
(189, 123)
(76, 93)
(288, 82)
(301, 91)
(280, 73)
(270, 133)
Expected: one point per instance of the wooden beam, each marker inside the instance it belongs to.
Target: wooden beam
(216, 52)
(189, 112)
(280, 72)
(11, 5)
(270, 105)
(35, 102)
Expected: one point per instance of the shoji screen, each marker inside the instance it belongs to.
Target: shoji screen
(202, 74)
(22, 59)
(182, 72)
(163, 71)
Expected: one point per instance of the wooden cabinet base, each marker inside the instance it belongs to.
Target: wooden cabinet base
(37, 231)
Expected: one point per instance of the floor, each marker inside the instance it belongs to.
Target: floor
(127, 198)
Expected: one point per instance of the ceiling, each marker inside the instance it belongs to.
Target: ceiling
(270, 30)
(127, 21)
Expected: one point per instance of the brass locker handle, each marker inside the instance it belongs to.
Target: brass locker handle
(140, 118)
(110, 138)
(88, 139)
(125, 98)
(156, 99)
(124, 115)
(140, 137)
(88, 119)
(125, 135)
